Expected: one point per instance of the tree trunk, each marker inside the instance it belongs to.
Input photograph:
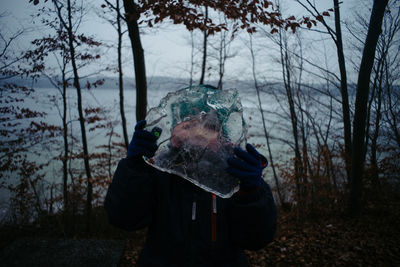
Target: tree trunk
(66, 148)
(343, 90)
(109, 147)
(391, 114)
(81, 120)
(378, 115)
(271, 161)
(203, 65)
(191, 59)
(138, 59)
(374, 139)
(222, 58)
(293, 117)
(121, 81)
(358, 151)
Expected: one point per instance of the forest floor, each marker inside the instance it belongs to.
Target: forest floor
(371, 240)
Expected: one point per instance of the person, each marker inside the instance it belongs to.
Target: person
(188, 226)
(198, 150)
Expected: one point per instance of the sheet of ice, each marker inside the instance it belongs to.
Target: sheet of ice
(200, 127)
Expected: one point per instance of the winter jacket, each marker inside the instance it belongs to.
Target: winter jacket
(188, 226)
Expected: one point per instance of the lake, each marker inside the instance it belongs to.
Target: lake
(108, 100)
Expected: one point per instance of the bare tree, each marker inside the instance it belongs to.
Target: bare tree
(287, 80)
(5, 63)
(205, 38)
(266, 134)
(336, 36)
(132, 16)
(24, 134)
(221, 49)
(120, 33)
(189, 14)
(66, 20)
(192, 61)
(362, 93)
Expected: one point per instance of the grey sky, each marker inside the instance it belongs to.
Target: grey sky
(167, 48)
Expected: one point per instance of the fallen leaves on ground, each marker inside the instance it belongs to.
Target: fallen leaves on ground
(132, 250)
(371, 240)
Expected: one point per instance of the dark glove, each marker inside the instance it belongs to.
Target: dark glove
(247, 166)
(143, 143)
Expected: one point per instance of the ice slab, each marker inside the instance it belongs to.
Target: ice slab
(200, 127)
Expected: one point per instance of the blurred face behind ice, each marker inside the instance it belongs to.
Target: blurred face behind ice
(194, 132)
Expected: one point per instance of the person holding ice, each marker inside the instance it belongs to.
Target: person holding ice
(192, 221)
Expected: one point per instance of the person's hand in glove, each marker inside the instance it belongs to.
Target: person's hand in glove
(247, 166)
(143, 143)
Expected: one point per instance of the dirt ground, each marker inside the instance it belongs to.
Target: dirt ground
(371, 240)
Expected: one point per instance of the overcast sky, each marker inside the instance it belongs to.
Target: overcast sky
(167, 49)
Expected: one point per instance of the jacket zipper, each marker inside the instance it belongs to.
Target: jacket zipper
(214, 218)
(194, 211)
(194, 206)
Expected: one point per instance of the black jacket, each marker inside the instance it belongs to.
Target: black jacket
(185, 227)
